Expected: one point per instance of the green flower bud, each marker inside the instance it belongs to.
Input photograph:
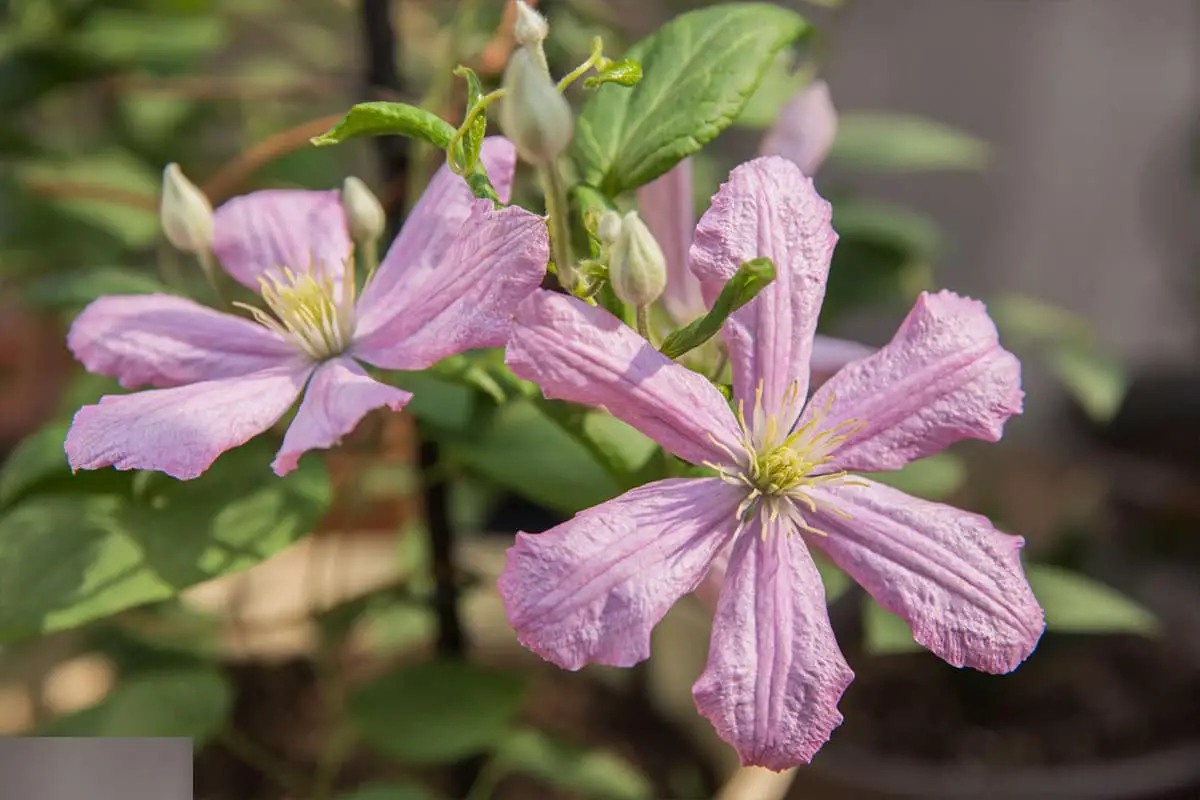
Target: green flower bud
(364, 213)
(608, 228)
(637, 268)
(186, 214)
(534, 115)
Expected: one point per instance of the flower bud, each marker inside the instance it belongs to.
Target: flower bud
(534, 115)
(637, 269)
(609, 228)
(364, 213)
(530, 28)
(186, 214)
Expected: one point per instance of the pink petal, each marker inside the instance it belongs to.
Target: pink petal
(805, 130)
(583, 354)
(161, 340)
(775, 673)
(954, 578)
(667, 206)
(591, 590)
(181, 431)
(829, 355)
(276, 228)
(494, 262)
(339, 394)
(435, 220)
(943, 377)
(768, 209)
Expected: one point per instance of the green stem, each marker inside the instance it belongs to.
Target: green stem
(208, 265)
(642, 316)
(560, 224)
(479, 108)
(593, 60)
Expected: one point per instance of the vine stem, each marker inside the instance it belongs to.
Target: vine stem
(560, 225)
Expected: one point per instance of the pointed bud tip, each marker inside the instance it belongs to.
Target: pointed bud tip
(530, 28)
(637, 268)
(365, 217)
(609, 227)
(185, 212)
(534, 115)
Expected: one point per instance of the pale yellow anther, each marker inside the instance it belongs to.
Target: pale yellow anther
(310, 308)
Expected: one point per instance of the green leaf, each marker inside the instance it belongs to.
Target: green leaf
(750, 279)
(935, 477)
(400, 790)
(779, 84)
(473, 138)
(36, 458)
(886, 225)
(836, 582)
(389, 119)
(1077, 604)
(575, 770)
(1027, 321)
(902, 143)
(192, 703)
(76, 288)
(1097, 381)
(527, 452)
(67, 559)
(135, 36)
(435, 401)
(622, 73)
(700, 70)
(627, 449)
(884, 633)
(436, 712)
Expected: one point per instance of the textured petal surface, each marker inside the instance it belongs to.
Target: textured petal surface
(181, 431)
(943, 377)
(768, 209)
(955, 579)
(592, 589)
(434, 221)
(667, 206)
(497, 260)
(265, 231)
(805, 130)
(162, 340)
(583, 354)
(829, 355)
(339, 394)
(775, 673)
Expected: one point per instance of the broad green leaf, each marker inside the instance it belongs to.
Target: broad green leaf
(1097, 381)
(70, 558)
(435, 401)
(884, 633)
(836, 582)
(903, 143)
(1028, 321)
(436, 712)
(1077, 604)
(627, 449)
(779, 84)
(700, 69)
(36, 458)
(76, 288)
(750, 279)
(137, 36)
(389, 119)
(887, 225)
(935, 477)
(575, 770)
(400, 790)
(192, 703)
(622, 73)
(527, 452)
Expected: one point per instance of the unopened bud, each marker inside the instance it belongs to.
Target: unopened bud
(637, 269)
(530, 28)
(186, 214)
(533, 114)
(364, 213)
(609, 228)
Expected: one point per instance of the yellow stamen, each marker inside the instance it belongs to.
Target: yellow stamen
(308, 308)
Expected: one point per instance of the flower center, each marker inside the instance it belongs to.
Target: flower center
(779, 465)
(309, 309)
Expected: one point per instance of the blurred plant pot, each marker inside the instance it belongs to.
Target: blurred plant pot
(34, 368)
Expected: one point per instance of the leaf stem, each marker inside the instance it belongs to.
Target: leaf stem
(642, 316)
(560, 225)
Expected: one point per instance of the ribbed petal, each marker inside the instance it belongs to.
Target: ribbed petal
(768, 209)
(943, 377)
(775, 673)
(181, 431)
(268, 230)
(667, 206)
(805, 130)
(434, 222)
(162, 340)
(955, 579)
(592, 589)
(497, 259)
(339, 394)
(583, 354)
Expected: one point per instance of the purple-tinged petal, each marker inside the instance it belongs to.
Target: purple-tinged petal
(768, 209)
(949, 574)
(805, 130)
(592, 589)
(161, 340)
(269, 230)
(943, 377)
(434, 221)
(497, 259)
(829, 355)
(181, 431)
(775, 673)
(583, 354)
(668, 208)
(339, 394)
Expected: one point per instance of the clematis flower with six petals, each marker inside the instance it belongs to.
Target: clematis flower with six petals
(785, 479)
(449, 283)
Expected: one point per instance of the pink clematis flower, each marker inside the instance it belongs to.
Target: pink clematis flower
(592, 589)
(449, 282)
(803, 133)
